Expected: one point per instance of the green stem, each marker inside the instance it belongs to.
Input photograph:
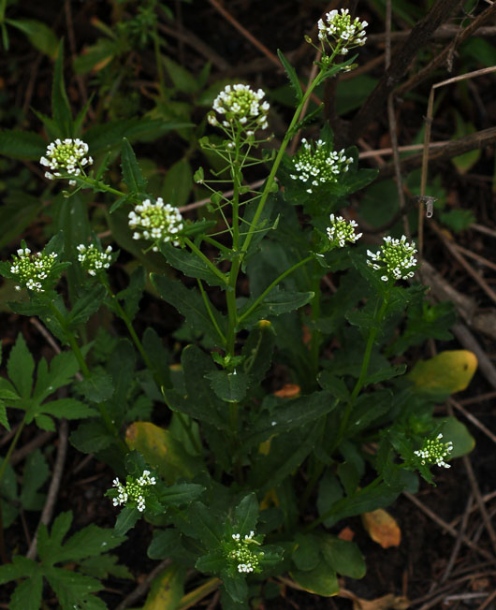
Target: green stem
(277, 161)
(71, 340)
(271, 287)
(194, 248)
(206, 302)
(378, 317)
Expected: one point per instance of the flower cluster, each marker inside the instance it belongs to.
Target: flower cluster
(342, 231)
(133, 490)
(316, 164)
(156, 221)
(240, 107)
(94, 260)
(434, 451)
(340, 32)
(32, 270)
(395, 259)
(68, 156)
(246, 559)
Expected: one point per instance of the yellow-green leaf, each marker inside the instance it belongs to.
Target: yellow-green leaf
(167, 589)
(162, 451)
(446, 373)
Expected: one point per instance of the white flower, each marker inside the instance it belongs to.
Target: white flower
(68, 156)
(434, 451)
(340, 32)
(342, 231)
(134, 490)
(317, 164)
(395, 260)
(239, 105)
(32, 270)
(94, 260)
(157, 222)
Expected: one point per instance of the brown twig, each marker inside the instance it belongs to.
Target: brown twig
(143, 587)
(448, 528)
(447, 51)
(46, 515)
(448, 150)
(401, 60)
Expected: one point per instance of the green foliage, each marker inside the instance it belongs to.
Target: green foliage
(278, 395)
(71, 587)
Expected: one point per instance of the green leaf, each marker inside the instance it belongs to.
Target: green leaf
(190, 264)
(36, 473)
(3, 416)
(50, 544)
(344, 557)
(21, 567)
(27, 595)
(110, 134)
(258, 350)
(61, 107)
(40, 35)
(199, 401)
(277, 302)
(229, 387)
(73, 589)
(87, 304)
(131, 172)
(456, 432)
(205, 525)
(23, 145)
(128, 517)
(91, 437)
(88, 542)
(293, 78)
(246, 515)
(190, 304)
(133, 294)
(63, 368)
(183, 81)
(320, 581)
(291, 414)
(70, 408)
(181, 493)
(178, 183)
(98, 387)
(20, 367)
(306, 556)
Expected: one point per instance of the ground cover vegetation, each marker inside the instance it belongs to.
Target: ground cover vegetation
(217, 302)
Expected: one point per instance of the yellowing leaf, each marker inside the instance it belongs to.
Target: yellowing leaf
(162, 451)
(448, 372)
(167, 589)
(382, 528)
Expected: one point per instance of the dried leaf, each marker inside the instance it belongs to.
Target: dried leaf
(382, 528)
